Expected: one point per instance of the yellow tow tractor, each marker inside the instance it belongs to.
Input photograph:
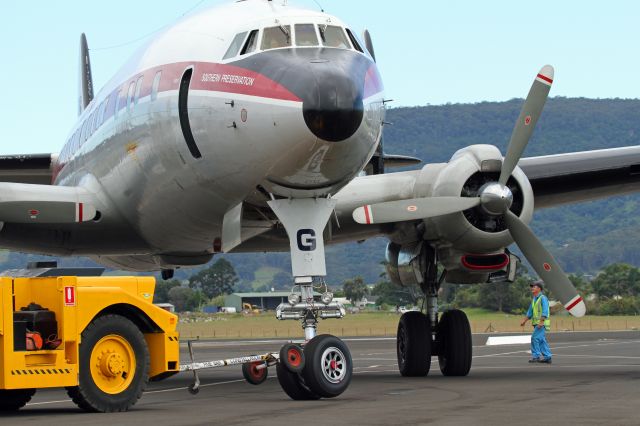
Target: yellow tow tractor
(99, 337)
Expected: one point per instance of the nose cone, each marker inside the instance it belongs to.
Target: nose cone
(333, 108)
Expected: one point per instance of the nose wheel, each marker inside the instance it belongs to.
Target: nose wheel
(326, 373)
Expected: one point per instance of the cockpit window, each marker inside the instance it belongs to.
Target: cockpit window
(333, 36)
(251, 44)
(236, 45)
(306, 35)
(275, 37)
(354, 41)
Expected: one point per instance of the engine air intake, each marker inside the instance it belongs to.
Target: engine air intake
(482, 262)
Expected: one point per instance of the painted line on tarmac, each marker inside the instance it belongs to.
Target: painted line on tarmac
(556, 347)
(206, 385)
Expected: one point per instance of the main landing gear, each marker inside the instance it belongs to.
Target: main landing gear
(422, 336)
(322, 367)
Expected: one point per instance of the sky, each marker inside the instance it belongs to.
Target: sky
(428, 52)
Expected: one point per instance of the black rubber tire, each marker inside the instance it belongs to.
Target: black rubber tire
(252, 375)
(413, 344)
(315, 371)
(87, 395)
(454, 341)
(15, 399)
(292, 384)
(292, 357)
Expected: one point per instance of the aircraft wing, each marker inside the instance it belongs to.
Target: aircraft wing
(30, 203)
(29, 168)
(583, 176)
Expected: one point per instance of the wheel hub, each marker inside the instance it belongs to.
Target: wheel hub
(334, 366)
(112, 361)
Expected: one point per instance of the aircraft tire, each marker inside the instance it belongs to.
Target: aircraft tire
(328, 368)
(14, 399)
(413, 344)
(114, 366)
(454, 340)
(293, 385)
(292, 356)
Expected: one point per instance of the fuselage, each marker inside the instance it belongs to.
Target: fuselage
(239, 103)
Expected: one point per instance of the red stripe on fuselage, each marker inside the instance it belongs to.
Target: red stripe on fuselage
(366, 215)
(237, 80)
(230, 79)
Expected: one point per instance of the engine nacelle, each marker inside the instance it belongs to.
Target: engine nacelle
(474, 230)
(406, 264)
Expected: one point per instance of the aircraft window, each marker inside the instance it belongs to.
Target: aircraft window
(354, 41)
(306, 35)
(333, 36)
(155, 86)
(130, 94)
(138, 89)
(275, 37)
(115, 111)
(252, 42)
(236, 45)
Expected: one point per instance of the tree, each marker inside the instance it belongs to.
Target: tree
(505, 297)
(161, 294)
(618, 279)
(355, 290)
(180, 297)
(219, 278)
(392, 294)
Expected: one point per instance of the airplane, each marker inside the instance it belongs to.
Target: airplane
(257, 126)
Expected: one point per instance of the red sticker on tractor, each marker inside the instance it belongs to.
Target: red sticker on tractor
(70, 296)
(527, 120)
(412, 208)
(546, 267)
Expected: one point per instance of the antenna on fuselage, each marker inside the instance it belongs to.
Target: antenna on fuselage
(319, 5)
(86, 80)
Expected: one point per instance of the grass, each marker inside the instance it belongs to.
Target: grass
(221, 326)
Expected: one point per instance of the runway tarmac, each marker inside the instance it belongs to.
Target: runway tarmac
(594, 379)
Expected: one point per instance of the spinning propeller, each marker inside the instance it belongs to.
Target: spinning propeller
(495, 199)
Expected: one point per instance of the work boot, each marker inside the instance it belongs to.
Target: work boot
(545, 361)
(534, 360)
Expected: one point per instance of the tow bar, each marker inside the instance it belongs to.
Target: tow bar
(254, 367)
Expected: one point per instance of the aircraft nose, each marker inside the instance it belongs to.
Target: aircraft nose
(333, 106)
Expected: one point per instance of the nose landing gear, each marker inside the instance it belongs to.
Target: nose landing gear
(323, 367)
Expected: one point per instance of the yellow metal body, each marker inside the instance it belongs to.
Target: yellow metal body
(76, 302)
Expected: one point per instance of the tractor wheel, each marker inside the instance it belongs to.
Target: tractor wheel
(14, 399)
(114, 366)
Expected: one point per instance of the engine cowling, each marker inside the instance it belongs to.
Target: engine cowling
(467, 174)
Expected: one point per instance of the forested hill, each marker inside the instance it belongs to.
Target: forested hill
(585, 237)
(434, 133)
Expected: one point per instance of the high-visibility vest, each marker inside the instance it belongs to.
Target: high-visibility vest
(536, 308)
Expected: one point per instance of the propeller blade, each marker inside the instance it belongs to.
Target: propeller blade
(531, 111)
(545, 265)
(412, 209)
(369, 44)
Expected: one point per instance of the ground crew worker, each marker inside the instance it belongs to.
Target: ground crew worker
(538, 313)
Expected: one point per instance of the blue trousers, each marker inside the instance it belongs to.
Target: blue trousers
(539, 345)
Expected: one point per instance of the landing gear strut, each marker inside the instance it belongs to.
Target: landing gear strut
(327, 367)
(422, 336)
